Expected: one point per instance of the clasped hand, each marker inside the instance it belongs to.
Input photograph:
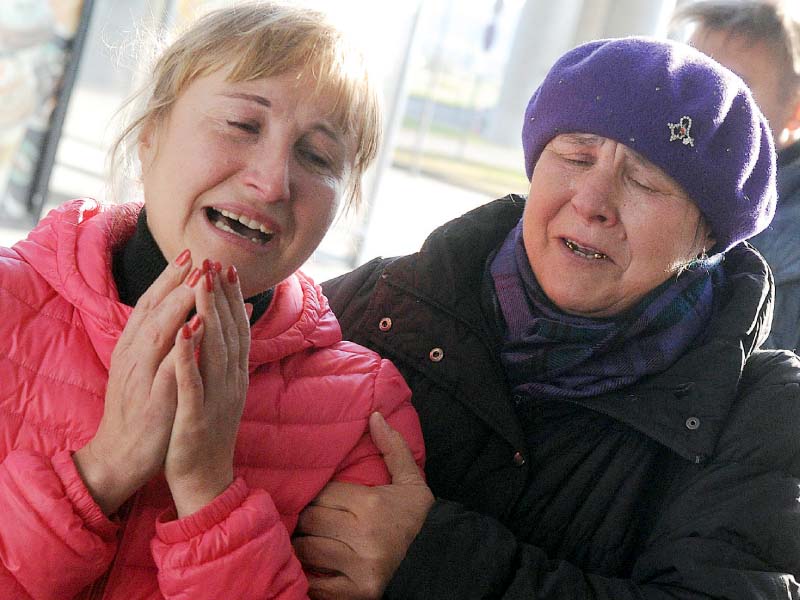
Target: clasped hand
(176, 392)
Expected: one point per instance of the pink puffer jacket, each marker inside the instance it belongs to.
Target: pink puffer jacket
(305, 423)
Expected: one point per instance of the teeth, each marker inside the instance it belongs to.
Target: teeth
(584, 252)
(224, 226)
(251, 223)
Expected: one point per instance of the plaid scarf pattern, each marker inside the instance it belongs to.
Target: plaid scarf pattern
(550, 354)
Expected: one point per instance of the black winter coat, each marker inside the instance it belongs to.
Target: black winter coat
(684, 485)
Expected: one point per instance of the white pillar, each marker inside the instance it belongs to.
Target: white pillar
(634, 17)
(546, 30)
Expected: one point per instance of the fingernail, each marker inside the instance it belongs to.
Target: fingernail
(232, 275)
(194, 277)
(206, 265)
(186, 331)
(210, 281)
(248, 308)
(378, 419)
(217, 266)
(194, 322)
(183, 258)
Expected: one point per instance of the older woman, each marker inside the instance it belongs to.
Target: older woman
(599, 419)
(144, 456)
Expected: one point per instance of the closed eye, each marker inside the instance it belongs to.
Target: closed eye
(644, 186)
(315, 158)
(245, 126)
(581, 162)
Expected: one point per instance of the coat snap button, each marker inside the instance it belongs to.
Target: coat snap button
(385, 324)
(692, 423)
(518, 459)
(436, 355)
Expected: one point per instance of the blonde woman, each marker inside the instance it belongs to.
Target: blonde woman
(173, 391)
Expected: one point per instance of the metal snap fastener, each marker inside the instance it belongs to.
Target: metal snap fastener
(518, 459)
(385, 324)
(692, 423)
(436, 355)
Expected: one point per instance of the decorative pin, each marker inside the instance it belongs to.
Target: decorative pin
(680, 131)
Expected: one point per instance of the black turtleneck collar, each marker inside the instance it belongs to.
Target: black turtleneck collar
(137, 264)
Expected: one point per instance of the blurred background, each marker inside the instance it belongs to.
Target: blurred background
(456, 77)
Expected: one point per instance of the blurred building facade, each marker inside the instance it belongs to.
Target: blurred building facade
(455, 78)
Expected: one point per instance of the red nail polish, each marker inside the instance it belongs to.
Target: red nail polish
(186, 331)
(210, 282)
(232, 274)
(194, 278)
(206, 265)
(183, 258)
(194, 322)
(218, 266)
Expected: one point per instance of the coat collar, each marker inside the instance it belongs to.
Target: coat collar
(683, 408)
(71, 248)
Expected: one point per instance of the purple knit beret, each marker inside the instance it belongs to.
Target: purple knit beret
(678, 108)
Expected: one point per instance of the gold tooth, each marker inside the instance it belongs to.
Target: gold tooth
(574, 247)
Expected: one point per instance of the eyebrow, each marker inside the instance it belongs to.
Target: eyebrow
(582, 139)
(250, 97)
(589, 139)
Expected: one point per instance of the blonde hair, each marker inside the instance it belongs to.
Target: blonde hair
(256, 40)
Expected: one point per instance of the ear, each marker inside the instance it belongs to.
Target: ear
(146, 144)
(709, 241)
(705, 239)
(793, 124)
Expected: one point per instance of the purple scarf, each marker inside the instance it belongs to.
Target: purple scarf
(548, 353)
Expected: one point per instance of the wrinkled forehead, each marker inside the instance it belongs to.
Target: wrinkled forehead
(325, 89)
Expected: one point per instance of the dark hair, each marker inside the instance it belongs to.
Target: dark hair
(767, 21)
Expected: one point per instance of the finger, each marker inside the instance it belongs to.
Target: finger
(324, 562)
(322, 555)
(326, 522)
(168, 281)
(396, 453)
(213, 359)
(164, 387)
(150, 332)
(189, 383)
(228, 325)
(326, 587)
(338, 495)
(239, 312)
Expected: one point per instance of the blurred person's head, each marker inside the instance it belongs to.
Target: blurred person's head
(644, 157)
(759, 40)
(256, 122)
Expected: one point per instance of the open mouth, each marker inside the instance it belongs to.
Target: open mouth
(240, 225)
(584, 252)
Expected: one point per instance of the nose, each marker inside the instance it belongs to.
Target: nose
(267, 172)
(595, 196)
